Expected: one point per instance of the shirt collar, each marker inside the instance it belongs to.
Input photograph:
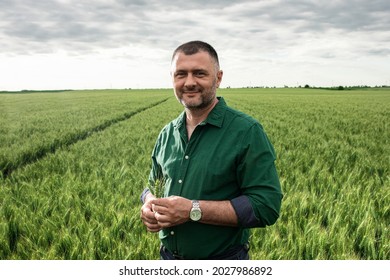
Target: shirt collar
(215, 117)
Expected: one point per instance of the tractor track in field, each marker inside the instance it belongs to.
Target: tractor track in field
(31, 157)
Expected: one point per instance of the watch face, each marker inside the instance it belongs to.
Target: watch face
(195, 214)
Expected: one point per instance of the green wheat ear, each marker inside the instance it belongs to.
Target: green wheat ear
(158, 187)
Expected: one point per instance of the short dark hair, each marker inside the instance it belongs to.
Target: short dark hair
(194, 47)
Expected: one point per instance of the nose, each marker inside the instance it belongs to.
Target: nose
(190, 81)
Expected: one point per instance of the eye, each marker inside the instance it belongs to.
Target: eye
(180, 74)
(200, 74)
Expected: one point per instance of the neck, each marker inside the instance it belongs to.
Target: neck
(196, 116)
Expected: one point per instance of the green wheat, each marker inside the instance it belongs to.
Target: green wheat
(158, 187)
(67, 199)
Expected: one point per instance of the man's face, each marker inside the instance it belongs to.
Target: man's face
(195, 79)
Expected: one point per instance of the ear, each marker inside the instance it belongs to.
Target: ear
(219, 77)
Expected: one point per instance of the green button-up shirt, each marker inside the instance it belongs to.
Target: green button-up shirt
(228, 157)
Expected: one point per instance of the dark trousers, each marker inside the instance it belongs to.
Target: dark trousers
(237, 253)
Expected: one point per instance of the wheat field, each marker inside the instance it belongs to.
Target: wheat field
(73, 164)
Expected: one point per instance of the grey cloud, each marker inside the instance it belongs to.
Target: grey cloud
(380, 52)
(70, 24)
(319, 15)
(62, 25)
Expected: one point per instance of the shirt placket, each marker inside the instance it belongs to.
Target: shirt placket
(189, 147)
(184, 165)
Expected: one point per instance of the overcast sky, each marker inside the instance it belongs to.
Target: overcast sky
(77, 44)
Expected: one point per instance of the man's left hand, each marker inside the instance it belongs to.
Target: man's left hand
(171, 211)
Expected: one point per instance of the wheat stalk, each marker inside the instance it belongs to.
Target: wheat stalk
(158, 187)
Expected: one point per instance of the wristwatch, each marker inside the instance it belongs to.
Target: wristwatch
(195, 213)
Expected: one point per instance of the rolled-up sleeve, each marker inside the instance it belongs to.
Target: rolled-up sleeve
(260, 202)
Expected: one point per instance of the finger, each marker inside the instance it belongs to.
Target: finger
(159, 209)
(151, 225)
(164, 221)
(163, 202)
(160, 218)
(153, 228)
(150, 218)
(165, 225)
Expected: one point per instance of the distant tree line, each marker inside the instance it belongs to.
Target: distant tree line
(32, 91)
(329, 88)
(346, 87)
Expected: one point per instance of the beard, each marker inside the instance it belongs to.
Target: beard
(197, 98)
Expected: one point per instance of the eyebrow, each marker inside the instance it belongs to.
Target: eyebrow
(192, 70)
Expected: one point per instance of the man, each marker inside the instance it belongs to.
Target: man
(217, 165)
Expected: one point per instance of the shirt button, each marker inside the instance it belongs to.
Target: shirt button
(180, 181)
(186, 157)
(172, 232)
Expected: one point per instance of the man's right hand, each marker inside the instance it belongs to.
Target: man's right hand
(148, 216)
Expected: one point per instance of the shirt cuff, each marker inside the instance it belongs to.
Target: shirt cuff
(245, 214)
(145, 192)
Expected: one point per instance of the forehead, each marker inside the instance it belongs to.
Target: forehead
(199, 60)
